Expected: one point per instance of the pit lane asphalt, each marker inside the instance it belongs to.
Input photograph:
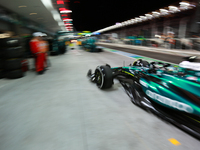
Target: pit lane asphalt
(63, 110)
(173, 56)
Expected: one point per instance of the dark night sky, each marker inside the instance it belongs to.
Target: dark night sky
(92, 15)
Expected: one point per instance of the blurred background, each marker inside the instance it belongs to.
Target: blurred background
(62, 110)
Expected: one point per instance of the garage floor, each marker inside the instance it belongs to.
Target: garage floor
(63, 110)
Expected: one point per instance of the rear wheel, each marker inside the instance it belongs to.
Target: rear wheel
(103, 77)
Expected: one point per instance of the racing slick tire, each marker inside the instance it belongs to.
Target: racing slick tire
(1, 53)
(10, 42)
(1, 64)
(2, 74)
(12, 64)
(13, 52)
(14, 74)
(104, 77)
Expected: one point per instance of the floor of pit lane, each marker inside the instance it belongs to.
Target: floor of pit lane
(63, 110)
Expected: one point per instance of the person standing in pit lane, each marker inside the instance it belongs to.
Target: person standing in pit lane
(36, 49)
(44, 48)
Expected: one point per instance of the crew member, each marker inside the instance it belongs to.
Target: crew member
(39, 55)
(44, 48)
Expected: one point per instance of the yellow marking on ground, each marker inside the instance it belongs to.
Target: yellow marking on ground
(174, 141)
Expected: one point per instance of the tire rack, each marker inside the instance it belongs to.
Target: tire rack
(11, 58)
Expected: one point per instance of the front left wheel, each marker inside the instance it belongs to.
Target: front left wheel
(103, 77)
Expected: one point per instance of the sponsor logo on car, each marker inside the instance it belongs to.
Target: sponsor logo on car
(169, 102)
(192, 78)
(143, 83)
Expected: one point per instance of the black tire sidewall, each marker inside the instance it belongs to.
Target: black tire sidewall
(13, 52)
(14, 74)
(13, 64)
(106, 75)
(10, 42)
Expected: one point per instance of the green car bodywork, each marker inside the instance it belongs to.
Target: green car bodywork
(163, 87)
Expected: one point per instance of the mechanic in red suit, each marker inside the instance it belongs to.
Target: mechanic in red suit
(44, 48)
(36, 49)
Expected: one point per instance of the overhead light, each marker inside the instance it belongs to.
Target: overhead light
(184, 4)
(22, 6)
(156, 13)
(143, 17)
(138, 19)
(173, 8)
(33, 14)
(163, 10)
(65, 11)
(148, 15)
(67, 19)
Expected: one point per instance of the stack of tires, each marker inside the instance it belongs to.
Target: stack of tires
(12, 58)
(1, 65)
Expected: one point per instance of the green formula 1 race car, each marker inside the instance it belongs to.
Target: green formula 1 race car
(171, 92)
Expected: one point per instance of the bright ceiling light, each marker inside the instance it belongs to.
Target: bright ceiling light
(173, 8)
(66, 11)
(163, 10)
(138, 19)
(184, 4)
(67, 19)
(22, 6)
(156, 13)
(33, 14)
(148, 15)
(143, 17)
